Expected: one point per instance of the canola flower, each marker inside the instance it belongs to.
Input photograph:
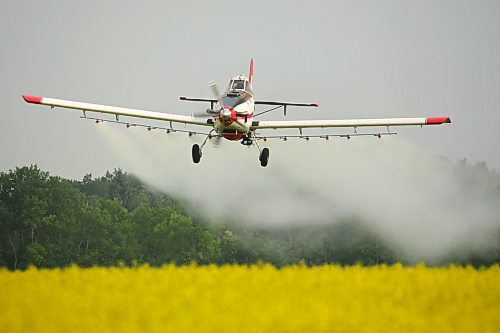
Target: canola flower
(257, 298)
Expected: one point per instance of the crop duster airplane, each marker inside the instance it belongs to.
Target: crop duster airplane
(232, 116)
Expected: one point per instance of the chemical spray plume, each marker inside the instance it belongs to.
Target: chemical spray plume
(420, 203)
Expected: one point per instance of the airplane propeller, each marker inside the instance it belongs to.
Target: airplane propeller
(217, 141)
(220, 101)
(223, 111)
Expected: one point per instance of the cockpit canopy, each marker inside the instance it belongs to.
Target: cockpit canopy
(238, 84)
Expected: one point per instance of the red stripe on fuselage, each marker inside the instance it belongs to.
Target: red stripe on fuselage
(250, 116)
(234, 115)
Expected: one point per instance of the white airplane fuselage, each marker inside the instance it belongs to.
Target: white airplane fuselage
(236, 117)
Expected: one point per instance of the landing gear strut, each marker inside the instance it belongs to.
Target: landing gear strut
(196, 150)
(263, 153)
(247, 141)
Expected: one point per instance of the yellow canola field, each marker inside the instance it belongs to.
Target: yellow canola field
(259, 298)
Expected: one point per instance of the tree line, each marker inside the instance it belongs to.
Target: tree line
(48, 221)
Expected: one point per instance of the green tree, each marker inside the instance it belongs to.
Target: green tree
(127, 188)
(166, 235)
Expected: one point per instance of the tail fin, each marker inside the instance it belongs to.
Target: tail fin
(250, 74)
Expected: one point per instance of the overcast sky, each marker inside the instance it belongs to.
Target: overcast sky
(357, 59)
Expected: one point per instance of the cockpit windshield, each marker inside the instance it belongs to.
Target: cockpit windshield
(237, 85)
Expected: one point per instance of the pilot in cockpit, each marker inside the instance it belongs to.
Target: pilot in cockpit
(238, 84)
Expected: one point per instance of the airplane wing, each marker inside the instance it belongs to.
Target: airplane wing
(117, 111)
(350, 123)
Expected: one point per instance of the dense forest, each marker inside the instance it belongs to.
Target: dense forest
(48, 221)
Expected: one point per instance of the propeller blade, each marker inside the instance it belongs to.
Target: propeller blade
(237, 121)
(199, 114)
(217, 141)
(216, 93)
(206, 114)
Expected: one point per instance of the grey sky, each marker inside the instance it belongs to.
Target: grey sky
(357, 59)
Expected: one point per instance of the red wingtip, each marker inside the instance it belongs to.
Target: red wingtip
(438, 120)
(32, 99)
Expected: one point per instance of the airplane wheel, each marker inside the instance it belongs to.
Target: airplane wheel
(264, 157)
(196, 152)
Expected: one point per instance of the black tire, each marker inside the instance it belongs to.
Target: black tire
(196, 152)
(264, 157)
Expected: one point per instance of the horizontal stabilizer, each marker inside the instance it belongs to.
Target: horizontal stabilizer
(286, 103)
